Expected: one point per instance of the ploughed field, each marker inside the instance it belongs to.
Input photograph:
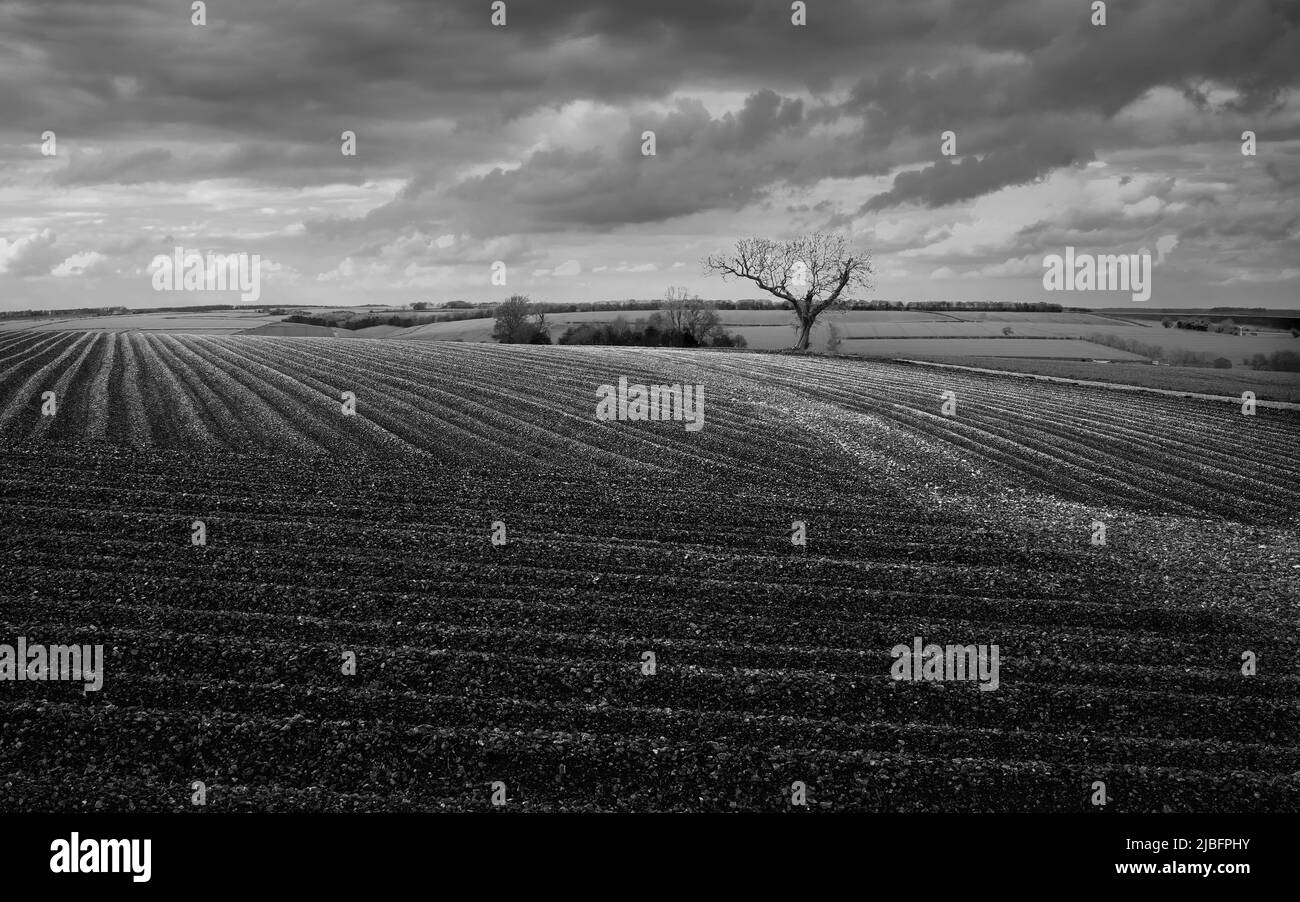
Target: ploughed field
(522, 663)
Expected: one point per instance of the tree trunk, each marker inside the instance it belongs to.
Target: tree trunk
(805, 327)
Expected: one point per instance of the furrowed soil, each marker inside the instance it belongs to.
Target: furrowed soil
(522, 663)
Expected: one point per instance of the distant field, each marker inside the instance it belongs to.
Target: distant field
(991, 347)
(295, 330)
(1236, 348)
(863, 330)
(770, 330)
(463, 330)
(875, 333)
(199, 322)
(1267, 385)
(211, 322)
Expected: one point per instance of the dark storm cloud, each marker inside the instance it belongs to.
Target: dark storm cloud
(291, 165)
(125, 168)
(256, 61)
(264, 90)
(947, 182)
(701, 163)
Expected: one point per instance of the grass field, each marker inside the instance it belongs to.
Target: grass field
(884, 333)
(771, 330)
(890, 333)
(942, 348)
(371, 534)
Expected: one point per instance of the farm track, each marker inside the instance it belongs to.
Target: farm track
(370, 534)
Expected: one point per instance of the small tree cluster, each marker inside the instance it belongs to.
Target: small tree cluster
(686, 321)
(520, 322)
(652, 333)
(1281, 361)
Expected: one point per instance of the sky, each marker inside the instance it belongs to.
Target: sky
(522, 144)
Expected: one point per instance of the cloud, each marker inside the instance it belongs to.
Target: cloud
(523, 144)
(1028, 265)
(1164, 246)
(81, 264)
(946, 182)
(32, 255)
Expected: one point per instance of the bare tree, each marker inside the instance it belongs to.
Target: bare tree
(702, 321)
(685, 314)
(675, 308)
(541, 329)
(808, 273)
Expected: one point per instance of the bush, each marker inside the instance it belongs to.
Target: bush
(513, 326)
(1172, 356)
(656, 332)
(1280, 361)
(1285, 361)
(1222, 363)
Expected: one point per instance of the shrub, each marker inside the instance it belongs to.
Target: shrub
(512, 325)
(1280, 361)
(1173, 356)
(1284, 361)
(1222, 363)
(656, 332)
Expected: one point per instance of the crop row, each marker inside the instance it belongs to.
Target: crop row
(534, 408)
(559, 769)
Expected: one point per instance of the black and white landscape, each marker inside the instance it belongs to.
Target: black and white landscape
(685, 406)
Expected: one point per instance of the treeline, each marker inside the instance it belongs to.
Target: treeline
(684, 322)
(1171, 356)
(655, 332)
(342, 319)
(760, 304)
(635, 305)
(1204, 325)
(1281, 361)
(1199, 325)
(629, 306)
(973, 306)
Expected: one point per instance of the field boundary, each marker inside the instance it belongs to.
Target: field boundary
(1118, 386)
